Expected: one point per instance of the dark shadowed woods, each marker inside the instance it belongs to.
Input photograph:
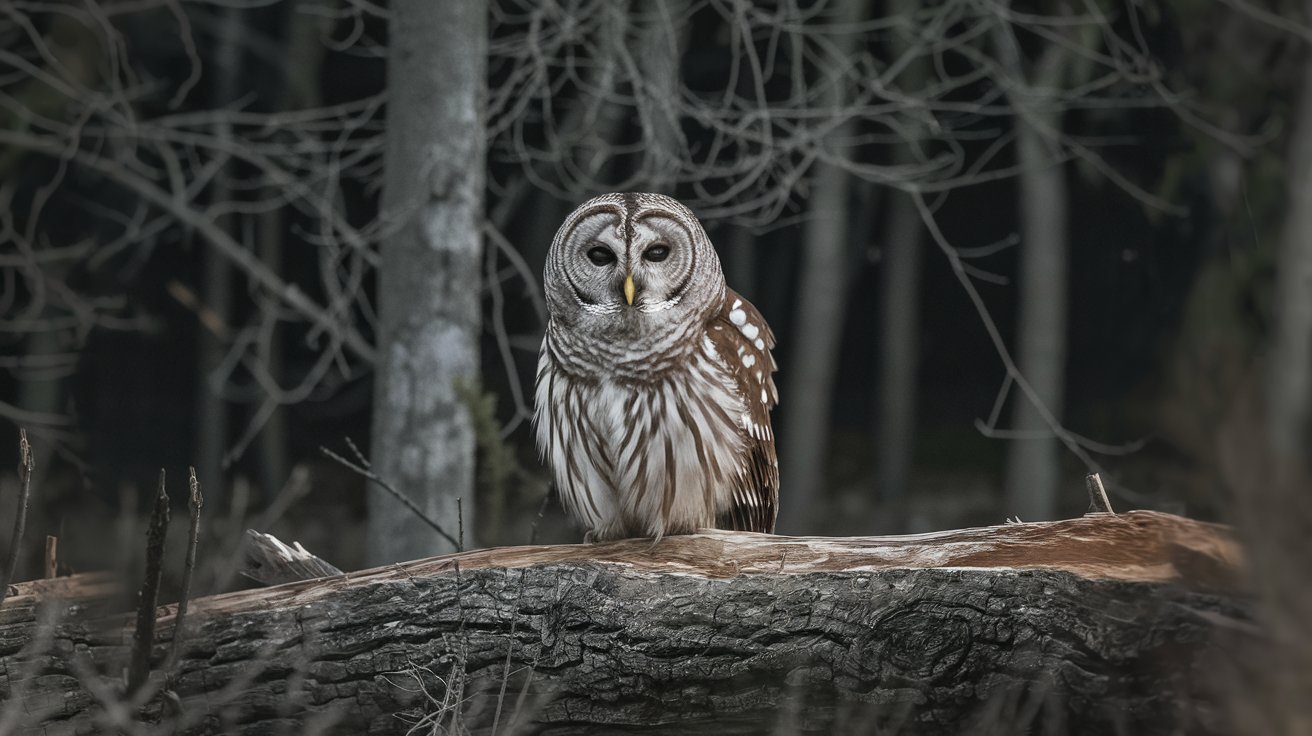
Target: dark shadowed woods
(298, 245)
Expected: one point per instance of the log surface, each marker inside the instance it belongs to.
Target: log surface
(1103, 624)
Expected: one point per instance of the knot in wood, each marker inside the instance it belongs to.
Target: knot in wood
(927, 640)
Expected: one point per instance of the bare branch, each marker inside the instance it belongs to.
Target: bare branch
(143, 639)
(189, 567)
(204, 225)
(363, 470)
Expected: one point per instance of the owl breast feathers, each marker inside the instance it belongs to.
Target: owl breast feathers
(654, 385)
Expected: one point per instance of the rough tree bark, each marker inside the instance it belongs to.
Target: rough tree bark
(818, 327)
(1102, 624)
(1289, 400)
(428, 295)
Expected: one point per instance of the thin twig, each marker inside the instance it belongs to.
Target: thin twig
(193, 541)
(25, 466)
(460, 525)
(363, 470)
(542, 510)
(232, 250)
(144, 638)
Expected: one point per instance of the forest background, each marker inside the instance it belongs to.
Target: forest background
(1001, 245)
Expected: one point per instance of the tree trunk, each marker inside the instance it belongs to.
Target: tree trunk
(217, 274)
(818, 327)
(742, 263)
(898, 340)
(428, 295)
(1033, 459)
(1103, 624)
(899, 357)
(298, 90)
(660, 52)
(1289, 401)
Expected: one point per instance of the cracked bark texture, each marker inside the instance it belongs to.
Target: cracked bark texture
(428, 291)
(1106, 624)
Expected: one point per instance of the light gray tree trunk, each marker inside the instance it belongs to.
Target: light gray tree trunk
(1289, 399)
(1032, 462)
(423, 441)
(1032, 471)
(898, 340)
(899, 356)
(818, 327)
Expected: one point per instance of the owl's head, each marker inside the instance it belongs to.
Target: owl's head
(623, 263)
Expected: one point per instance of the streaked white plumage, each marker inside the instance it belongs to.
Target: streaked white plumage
(647, 412)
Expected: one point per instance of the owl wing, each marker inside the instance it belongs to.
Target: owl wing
(743, 341)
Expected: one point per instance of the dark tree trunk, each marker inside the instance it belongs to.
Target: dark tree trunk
(1096, 625)
(1289, 399)
(816, 339)
(898, 339)
(899, 360)
(217, 276)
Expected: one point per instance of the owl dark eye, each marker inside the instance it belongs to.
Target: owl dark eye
(600, 255)
(657, 253)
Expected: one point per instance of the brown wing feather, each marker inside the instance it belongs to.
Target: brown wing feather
(744, 341)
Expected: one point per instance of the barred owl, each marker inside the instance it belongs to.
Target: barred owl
(654, 384)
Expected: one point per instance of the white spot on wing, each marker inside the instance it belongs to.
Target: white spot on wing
(749, 361)
(751, 331)
(738, 317)
(760, 344)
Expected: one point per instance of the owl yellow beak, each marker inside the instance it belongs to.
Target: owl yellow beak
(628, 289)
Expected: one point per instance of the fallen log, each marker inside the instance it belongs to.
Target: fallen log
(1103, 624)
